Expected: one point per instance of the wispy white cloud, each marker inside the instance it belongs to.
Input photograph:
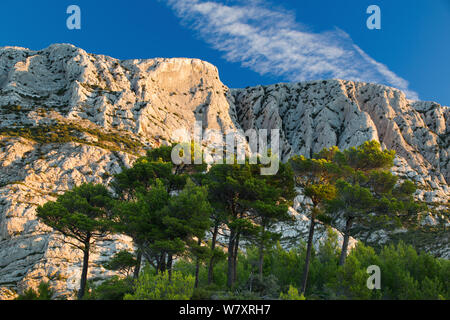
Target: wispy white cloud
(271, 41)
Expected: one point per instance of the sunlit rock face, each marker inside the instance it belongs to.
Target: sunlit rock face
(317, 114)
(102, 113)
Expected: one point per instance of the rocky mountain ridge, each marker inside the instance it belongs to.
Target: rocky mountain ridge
(68, 117)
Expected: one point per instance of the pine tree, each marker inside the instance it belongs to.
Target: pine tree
(226, 184)
(123, 262)
(81, 215)
(268, 200)
(369, 194)
(186, 219)
(148, 185)
(316, 177)
(253, 204)
(161, 219)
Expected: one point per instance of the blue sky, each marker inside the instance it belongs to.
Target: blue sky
(257, 41)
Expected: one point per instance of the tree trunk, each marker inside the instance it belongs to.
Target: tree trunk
(169, 265)
(137, 268)
(261, 254)
(235, 254)
(162, 263)
(84, 271)
(230, 259)
(211, 261)
(308, 254)
(197, 266)
(158, 263)
(348, 225)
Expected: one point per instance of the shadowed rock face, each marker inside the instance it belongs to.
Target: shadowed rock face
(91, 115)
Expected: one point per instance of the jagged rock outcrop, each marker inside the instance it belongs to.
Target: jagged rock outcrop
(317, 114)
(68, 117)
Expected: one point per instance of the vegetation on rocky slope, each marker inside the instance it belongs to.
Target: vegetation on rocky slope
(69, 132)
(169, 210)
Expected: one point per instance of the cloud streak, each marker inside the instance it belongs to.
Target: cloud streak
(271, 41)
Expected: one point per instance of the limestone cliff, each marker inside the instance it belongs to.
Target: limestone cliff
(68, 117)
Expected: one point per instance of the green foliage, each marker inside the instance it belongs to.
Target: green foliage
(245, 267)
(405, 274)
(163, 224)
(143, 175)
(28, 294)
(285, 265)
(266, 286)
(366, 186)
(123, 262)
(151, 286)
(237, 295)
(81, 214)
(114, 288)
(206, 292)
(187, 213)
(70, 132)
(168, 208)
(44, 292)
(292, 294)
(249, 205)
(356, 201)
(367, 195)
(366, 157)
(161, 208)
(163, 153)
(317, 177)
